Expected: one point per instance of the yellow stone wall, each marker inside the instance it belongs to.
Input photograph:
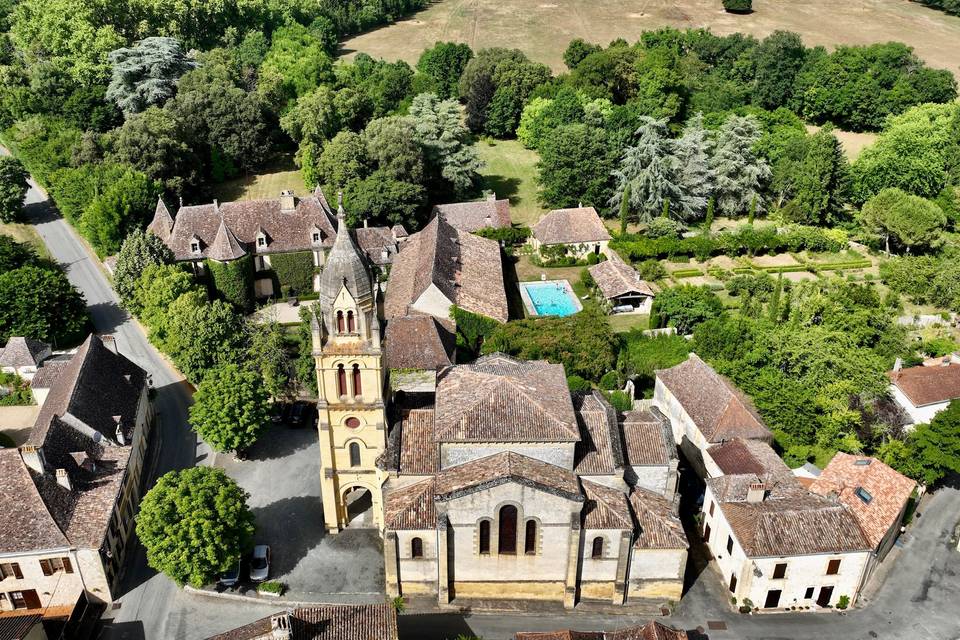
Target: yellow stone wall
(656, 589)
(419, 588)
(597, 591)
(509, 590)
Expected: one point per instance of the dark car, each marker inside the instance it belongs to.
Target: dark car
(231, 577)
(299, 414)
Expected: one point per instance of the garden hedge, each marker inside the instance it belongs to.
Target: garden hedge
(294, 272)
(233, 281)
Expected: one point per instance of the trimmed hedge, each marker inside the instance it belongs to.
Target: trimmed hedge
(294, 271)
(511, 236)
(738, 6)
(232, 281)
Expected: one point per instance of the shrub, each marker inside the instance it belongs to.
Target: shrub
(610, 381)
(576, 383)
(472, 330)
(233, 281)
(294, 271)
(620, 400)
(271, 586)
(510, 236)
(843, 602)
(684, 307)
(651, 270)
(738, 6)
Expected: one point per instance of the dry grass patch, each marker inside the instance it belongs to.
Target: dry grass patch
(26, 234)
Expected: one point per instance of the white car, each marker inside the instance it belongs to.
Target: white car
(260, 563)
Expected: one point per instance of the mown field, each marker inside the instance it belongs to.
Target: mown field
(542, 28)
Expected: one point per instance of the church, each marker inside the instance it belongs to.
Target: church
(498, 482)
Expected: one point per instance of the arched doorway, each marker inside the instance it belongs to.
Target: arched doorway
(358, 507)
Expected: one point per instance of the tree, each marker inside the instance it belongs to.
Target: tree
(13, 189)
(207, 335)
(313, 117)
(514, 81)
(576, 165)
(230, 408)
(138, 251)
(477, 84)
(14, 255)
(577, 50)
(652, 173)
(124, 205)
(392, 143)
(641, 355)
(146, 74)
(697, 176)
(195, 524)
(738, 6)
(441, 132)
(381, 199)
(298, 59)
(741, 173)
(344, 159)
(910, 221)
(156, 143)
(155, 291)
(41, 303)
(777, 60)
(684, 307)
(822, 183)
(444, 63)
(936, 445)
(267, 349)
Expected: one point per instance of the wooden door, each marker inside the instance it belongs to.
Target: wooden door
(825, 594)
(773, 599)
(31, 598)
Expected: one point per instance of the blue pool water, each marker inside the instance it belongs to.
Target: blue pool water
(552, 298)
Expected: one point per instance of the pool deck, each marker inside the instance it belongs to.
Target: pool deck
(532, 308)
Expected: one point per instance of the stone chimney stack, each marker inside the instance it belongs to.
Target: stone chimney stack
(63, 479)
(109, 342)
(897, 366)
(281, 626)
(756, 492)
(288, 201)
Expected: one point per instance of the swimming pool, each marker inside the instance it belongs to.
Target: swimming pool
(549, 298)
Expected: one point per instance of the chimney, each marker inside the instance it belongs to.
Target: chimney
(181, 202)
(216, 204)
(281, 626)
(492, 197)
(110, 343)
(947, 360)
(63, 479)
(897, 366)
(121, 439)
(364, 222)
(33, 458)
(756, 492)
(288, 202)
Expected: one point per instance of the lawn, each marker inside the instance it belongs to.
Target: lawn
(262, 186)
(543, 28)
(27, 234)
(511, 172)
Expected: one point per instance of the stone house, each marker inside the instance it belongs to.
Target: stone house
(653, 630)
(299, 231)
(510, 487)
(924, 391)
(474, 216)
(580, 231)
(23, 356)
(69, 494)
(621, 287)
(415, 347)
(441, 266)
(322, 622)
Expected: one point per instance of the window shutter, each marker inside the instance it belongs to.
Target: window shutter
(16, 571)
(66, 565)
(46, 568)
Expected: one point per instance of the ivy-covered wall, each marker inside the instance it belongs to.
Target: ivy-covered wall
(233, 281)
(294, 271)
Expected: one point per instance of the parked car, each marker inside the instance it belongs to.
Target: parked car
(260, 563)
(298, 414)
(231, 577)
(281, 412)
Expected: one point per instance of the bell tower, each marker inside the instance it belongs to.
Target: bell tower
(350, 379)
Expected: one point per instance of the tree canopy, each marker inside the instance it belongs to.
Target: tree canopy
(230, 408)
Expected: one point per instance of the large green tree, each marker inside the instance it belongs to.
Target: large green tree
(441, 131)
(777, 59)
(126, 204)
(158, 144)
(40, 303)
(138, 251)
(14, 255)
(936, 446)
(684, 308)
(905, 220)
(13, 188)
(444, 63)
(576, 165)
(821, 183)
(195, 524)
(157, 288)
(741, 173)
(147, 73)
(267, 348)
(231, 408)
(207, 334)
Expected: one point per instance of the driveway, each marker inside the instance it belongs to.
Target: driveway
(282, 475)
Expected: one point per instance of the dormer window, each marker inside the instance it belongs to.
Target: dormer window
(261, 241)
(195, 246)
(316, 236)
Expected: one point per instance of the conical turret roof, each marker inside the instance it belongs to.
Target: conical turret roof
(225, 245)
(162, 223)
(345, 266)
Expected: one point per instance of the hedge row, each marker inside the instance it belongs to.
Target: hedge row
(233, 282)
(744, 240)
(294, 272)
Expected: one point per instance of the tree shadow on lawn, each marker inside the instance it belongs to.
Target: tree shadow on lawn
(503, 187)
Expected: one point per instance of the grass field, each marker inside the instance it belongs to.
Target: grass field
(262, 186)
(511, 172)
(26, 234)
(542, 28)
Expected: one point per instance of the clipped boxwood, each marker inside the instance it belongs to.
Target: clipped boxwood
(271, 587)
(233, 281)
(294, 272)
(738, 6)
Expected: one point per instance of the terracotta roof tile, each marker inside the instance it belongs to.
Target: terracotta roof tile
(659, 527)
(571, 226)
(600, 450)
(26, 524)
(606, 508)
(720, 411)
(645, 437)
(498, 398)
(327, 622)
(418, 446)
(379, 244)
(411, 507)
(872, 491)
(928, 385)
(23, 352)
(740, 457)
(419, 342)
(473, 216)
(616, 278)
(507, 467)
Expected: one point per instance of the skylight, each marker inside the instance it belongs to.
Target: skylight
(863, 494)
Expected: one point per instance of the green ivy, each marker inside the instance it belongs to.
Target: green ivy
(294, 272)
(233, 281)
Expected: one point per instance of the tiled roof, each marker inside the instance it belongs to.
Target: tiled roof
(653, 630)
(505, 467)
(26, 524)
(498, 398)
(615, 278)
(47, 374)
(225, 245)
(162, 224)
(718, 409)
(418, 446)
(326, 622)
(645, 437)
(419, 342)
(874, 493)
(659, 527)
(466, 269)
(411, 507)
(571, 226)
(473, 216)
(928, 385)
(23, 352)
(605, 508)
(599, 450)
(749, 457)
(378, 243)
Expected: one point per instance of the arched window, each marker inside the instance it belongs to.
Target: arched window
(341, 380)
(339, 321)
(357, 387)
(530, 538)
(354, 454)
(597, 551)
(484, 536)
(416, 548)
(351, 323)
(507, 539)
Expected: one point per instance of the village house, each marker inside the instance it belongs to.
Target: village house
(474, 216)
(323, 622)
(285, 237)
(621, 287)
(924, 391)
(69, 494)
(510, 487)
(653, 630)
(415, 347)
(575, 232)
(441, 266)
(23, 356)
